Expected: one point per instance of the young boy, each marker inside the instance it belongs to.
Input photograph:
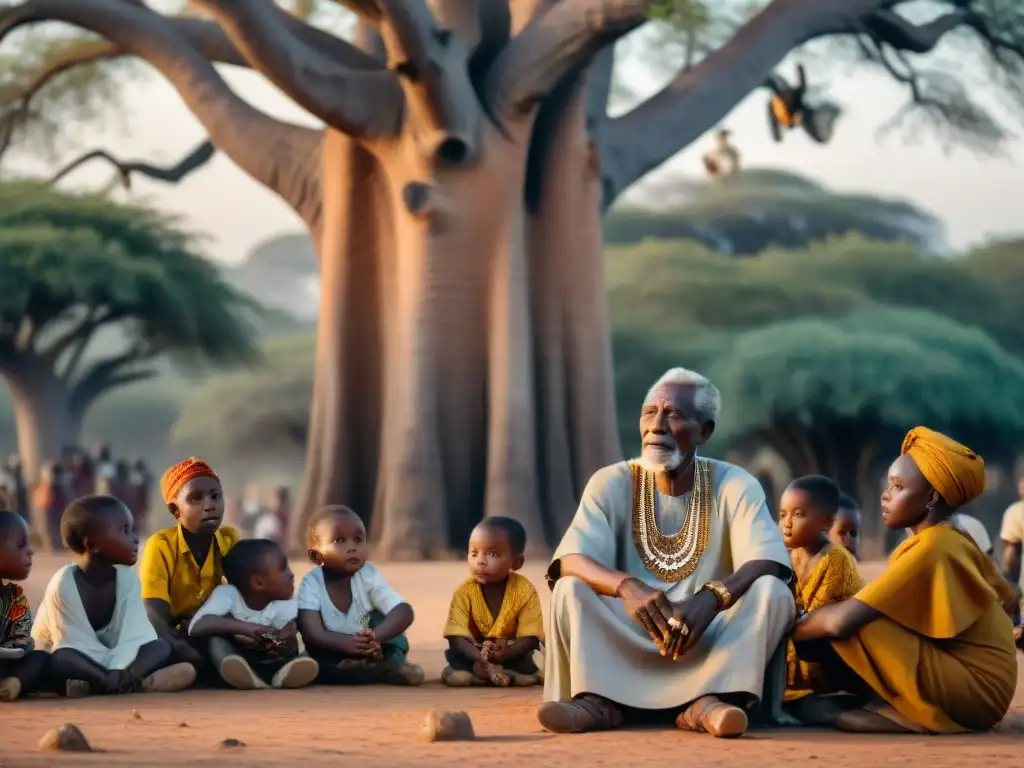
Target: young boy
(92, 619)
(494, 622)
(351, 620)
(845, 531)
(182, 565)
(21, 666)
(251, 620)
(825, 572)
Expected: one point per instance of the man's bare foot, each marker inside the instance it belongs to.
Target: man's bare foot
(709, 714)
(586, 712)
(10, 688)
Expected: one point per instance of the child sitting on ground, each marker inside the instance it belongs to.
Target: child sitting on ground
(825, 572)
(21, 666)
(182, 565)
(92, 619)
(351, 620)
(252, 620)
(845, 531)
(494, 622)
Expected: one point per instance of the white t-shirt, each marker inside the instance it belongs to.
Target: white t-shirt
(1012, 530)
(267, 527)
(227, 601)
(369, 592)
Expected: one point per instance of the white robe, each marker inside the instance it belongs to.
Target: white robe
(594, 647)
(61, 621)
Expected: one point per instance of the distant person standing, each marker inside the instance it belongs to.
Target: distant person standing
(50, 499)
(19, 491)
(282, 509)
(82, 480)
(1012, 533)
(105, 470)
(139, 485)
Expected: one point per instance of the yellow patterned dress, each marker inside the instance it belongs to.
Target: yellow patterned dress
(835, 578)
(520, 614)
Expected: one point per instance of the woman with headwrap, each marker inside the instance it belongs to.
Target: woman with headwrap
(929, 641)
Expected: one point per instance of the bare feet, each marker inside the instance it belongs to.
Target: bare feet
(709, 714)
(493, 673)
(10, 688)
(297, 673)
(586, 712)
(176, 677)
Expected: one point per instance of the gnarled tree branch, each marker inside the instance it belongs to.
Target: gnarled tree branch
(434, 67)
(267, 149)
(196, 159)
(558, 40)
(104, 375)
(360, 102)
(698, 98)
(889, 27)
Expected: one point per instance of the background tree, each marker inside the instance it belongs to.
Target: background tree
(74, 268)
(463, 355)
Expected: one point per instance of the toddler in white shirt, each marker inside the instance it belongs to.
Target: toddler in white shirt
(351, 620)
(251, 620)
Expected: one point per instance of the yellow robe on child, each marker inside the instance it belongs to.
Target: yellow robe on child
(520, 614)
(834, 578)
(942, 655)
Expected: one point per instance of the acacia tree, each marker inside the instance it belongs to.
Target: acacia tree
(455, 194)
(91, 295)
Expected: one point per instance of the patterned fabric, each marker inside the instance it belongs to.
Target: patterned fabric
(15, 617)
(175, 478)
(835, 578)
(519, 616)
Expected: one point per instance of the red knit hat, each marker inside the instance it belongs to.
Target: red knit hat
(175, 478)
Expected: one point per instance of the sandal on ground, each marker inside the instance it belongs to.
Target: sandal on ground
(586, 712)
(297, 673)
(709, 714)
(172, 679)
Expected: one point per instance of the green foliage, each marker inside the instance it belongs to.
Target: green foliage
(67, 255)
(757, 209)
(259, 414)
(894, 368)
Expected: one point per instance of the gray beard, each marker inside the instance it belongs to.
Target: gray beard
(666, 462)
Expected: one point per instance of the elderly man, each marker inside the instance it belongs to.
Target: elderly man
(670, 588)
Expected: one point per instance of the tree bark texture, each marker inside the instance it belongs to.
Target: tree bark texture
(463, 358)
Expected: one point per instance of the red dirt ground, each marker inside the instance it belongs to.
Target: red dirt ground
(378, 727)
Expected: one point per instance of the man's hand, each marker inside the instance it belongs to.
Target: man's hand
(647, 607)
(695, 613)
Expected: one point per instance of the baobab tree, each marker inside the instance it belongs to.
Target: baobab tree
(463, 363)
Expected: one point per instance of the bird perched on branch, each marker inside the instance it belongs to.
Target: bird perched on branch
(724, 159)
(789, 108)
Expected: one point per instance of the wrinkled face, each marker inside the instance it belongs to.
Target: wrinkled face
(341, 543)
(906, 498)
(112, 536)
(845, 530)
(670, 427)
(490, 557)
(199, 505)
(274, 579)
(15, 551)
(801, 523)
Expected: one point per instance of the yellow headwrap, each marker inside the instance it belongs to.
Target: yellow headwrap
(954, 470)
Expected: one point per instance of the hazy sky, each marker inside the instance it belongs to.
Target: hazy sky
(976, 198)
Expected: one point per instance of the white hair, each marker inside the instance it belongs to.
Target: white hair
(706, 398)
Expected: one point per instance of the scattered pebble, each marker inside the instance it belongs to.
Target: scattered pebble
(136, 714)
(231, 744)
(183, 724)
(447, 726)
(66, 738)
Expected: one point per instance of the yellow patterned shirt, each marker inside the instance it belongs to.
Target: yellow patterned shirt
(520, 614)
(835, 578)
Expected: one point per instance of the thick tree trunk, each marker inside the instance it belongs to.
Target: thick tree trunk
(43, 418)
(463, 362)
